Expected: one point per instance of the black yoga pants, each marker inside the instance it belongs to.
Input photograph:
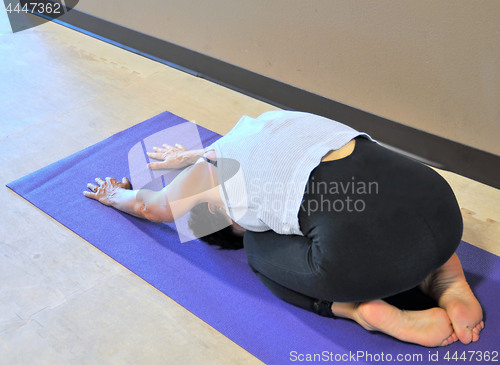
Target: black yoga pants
(375, 224)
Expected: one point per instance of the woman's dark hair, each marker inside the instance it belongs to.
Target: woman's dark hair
(201, 221)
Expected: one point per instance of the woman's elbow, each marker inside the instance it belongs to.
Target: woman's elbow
(156, 214)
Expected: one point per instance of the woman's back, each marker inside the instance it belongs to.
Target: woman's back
(275, 154)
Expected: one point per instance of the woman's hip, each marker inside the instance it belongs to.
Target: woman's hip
(381, 220)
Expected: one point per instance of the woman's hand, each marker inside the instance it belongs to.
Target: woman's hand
(106, 191)
(172, 157)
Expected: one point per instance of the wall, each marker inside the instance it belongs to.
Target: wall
(432, 65)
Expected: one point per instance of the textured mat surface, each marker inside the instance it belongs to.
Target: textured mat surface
(218, 286)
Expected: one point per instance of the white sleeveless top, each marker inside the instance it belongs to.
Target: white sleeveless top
(263, 166)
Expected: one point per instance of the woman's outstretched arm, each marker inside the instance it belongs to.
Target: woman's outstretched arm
(188, 189)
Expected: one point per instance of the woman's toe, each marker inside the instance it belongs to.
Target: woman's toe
(475, 332)
(448, 341)
(464, 335)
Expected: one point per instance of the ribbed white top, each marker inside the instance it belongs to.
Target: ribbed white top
(276, 153)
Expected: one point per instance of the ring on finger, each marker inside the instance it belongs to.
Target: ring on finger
(92, 187)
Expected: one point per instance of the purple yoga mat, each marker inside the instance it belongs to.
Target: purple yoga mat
(218, 286)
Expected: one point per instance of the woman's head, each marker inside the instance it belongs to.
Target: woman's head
(203, 220)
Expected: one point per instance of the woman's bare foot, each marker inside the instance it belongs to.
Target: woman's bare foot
(447, 285)
(430, 328)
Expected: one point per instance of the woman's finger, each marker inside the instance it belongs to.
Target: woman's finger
(111, 181)
(92, 187)
(99, 181)
(180, 146)
(90, 195)
(156, 165)
(156, 155)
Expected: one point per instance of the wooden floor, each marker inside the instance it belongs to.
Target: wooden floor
(63, 301)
